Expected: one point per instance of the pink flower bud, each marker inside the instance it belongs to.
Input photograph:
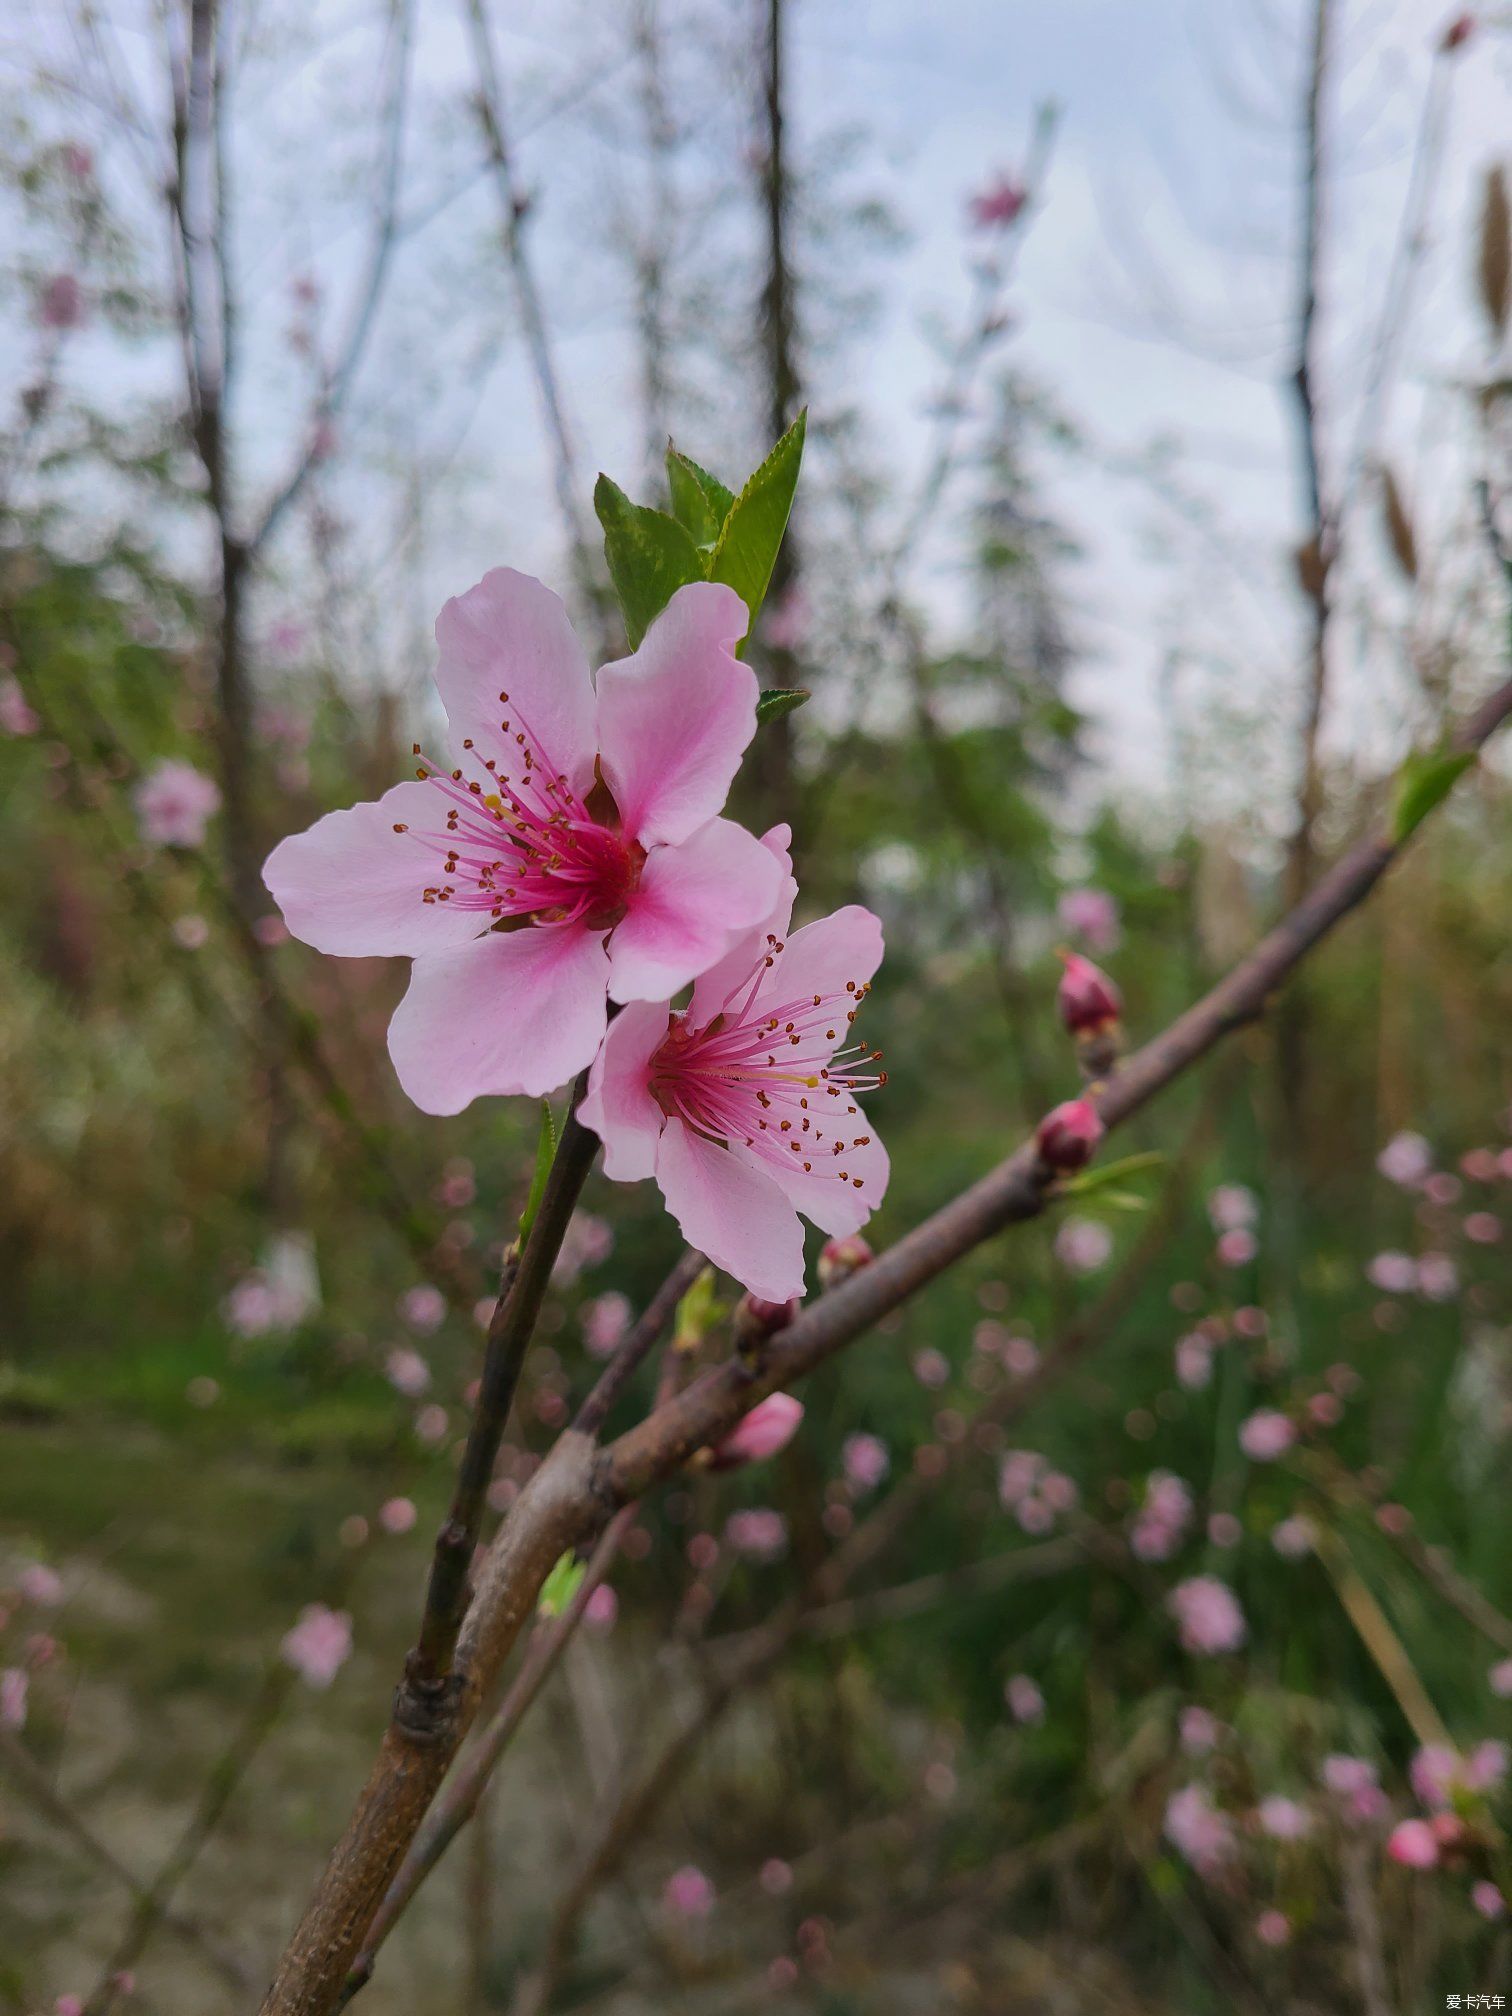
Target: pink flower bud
(756, 1319)
(1458, 33)
(840, 1258)
(1412, 1844)
(1087, 999)
(1068, 1135)
(770, 1426)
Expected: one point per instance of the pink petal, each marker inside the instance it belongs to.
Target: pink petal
(693, 900)
(514, 1011)
(837, 1207)
(822, 957)
(512, 635)
(718, 982)
(352, 885)
(732, 1212)
(674, 720)
(618, 1105)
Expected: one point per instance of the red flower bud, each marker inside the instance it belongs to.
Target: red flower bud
(843, 1257)
(756, 1319)
(1087, 999)
(1068, 1135)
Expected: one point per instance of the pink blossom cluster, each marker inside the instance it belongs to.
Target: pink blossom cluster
(1355, 1785)
(1199, 1830)
(319, 1645)
(1207, 1614)
(1036, 1494)
(1162, 1520)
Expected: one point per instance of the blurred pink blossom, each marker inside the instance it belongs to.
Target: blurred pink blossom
(320, 1644)
(1092, 915)
(60, 305)
(1392, 1273)
(1266, 1435)
(431, 1424)
(406, 1371)
(1483, 1228)
(1437, 1278)
(1273, 1928)
(589, 1242)
(17, 715)
(423, 1308)
(605, 1320)
(1194, 1362)
(1501, 1679)
(1232, 1207)
(1199, 1730)
(191, 932)
(758, 1533)
(1412, 1843)
(1025, 1701)
(1406, 1159)
(1355, 1783)
(601, 1611)
(1292, 1538)
(1018, 1473)
(41, 1585)
(768, 1428)
(1487, 1899)
(931, 1367)
(69, 2005)
(1198, 1830)
(1284, 1819)
(1208, 1614)
(1237, 1248)
(776, 1876)
(1161, 1522)
(864, 1460)
(1083, 1245)
(397, 1515)
(174, 804)
(15, 1684)
(997, 204)
(688, 1893)
(1224, 1530)
(785, 622)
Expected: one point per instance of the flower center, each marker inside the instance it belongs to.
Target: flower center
(772, 1076)
(525, 850)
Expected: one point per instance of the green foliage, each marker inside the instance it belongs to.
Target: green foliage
(561, 1585)
(1423, 783)
(776, 701)
(710, 534)
(546, 1147)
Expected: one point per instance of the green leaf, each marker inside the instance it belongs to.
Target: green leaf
(779, 700)
(650, 556)
(561, 1585)
(1108, 1175)
(1423, 782)
(753, 529)
(546, 1147)
(700, 502)
(697, 1313)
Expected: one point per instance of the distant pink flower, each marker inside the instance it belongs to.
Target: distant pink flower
(1202, 1834)
(1018, 1473)
(17, 715)
(423, 1308)
(1058, 1491)
(1161, 1522)
(1500, 1679)
(1025, 1701)
(864, 1460)
(1208, 1614)
(1232, 1207)
(1442, 1187)
(1437, 1278)
(431, 1424)
(1438, 1772)
(776, 1876)
(1355, 1783)
(743, 1105)
(688, 1893)
(1266, 1435)
(1487, 1899)
(407, 1372)
(589, 1242)
(1413, 1844)
(60, 305)
(1092, 915)
(1194, 1361)
(931, 1368)
(15, 1684)
(1082, 1245)
(997, 204)
(397, 1515)
(1199, 1730)
(1292, 1538)
(1273, 1928)
(605, 1320)
(1284, 1819)
(629, 899)
(1224, 1530)
(41, 1585)
(1483, 1228)
(191, 932)
(759, 1435)
(319, 1645)
(1392, 1273)
(1458, 33)
(1406, 1159)
(270, 931)
(174, 804)
(69, 2005)
(601, 1611)
(758, 1533)
(1237, 1248)
(785, 622)
(77, 160)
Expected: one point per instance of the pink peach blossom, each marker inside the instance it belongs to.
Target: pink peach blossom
(1437, 1278)
(60, 305)
(1198, 1830)
(1208, 1614)
(1500, 1679)
(1292, 1538)
(1237, 1248)
(864, 1460)
(1025, 1701)
(601, 1611)
(758, 1533)
(605, 1320)
(998, 204)
(775, 1876)
(1273, 1928)
(17, 715)
(407, 1372)
(688, 1893)
(423, 1308)
(573, 853)
(397, 1515)
(743, 1105)
(1412, 1843)
(1083, 1245)
(1283, 1819)
(15, 1684)
(1194, 1362)
(1090, 914)
(1406, 1159)
(1355, 1783)
(1266, 1435)
(319, 1645)
(1232, 1207)
(1487, 1899)
(174, 804)
(41, 1585)
(1199, 1730)
(769, 1427)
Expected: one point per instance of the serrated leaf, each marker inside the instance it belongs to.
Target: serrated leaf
(546, 1147)
(561, 1585)
(700, 502)
(650, 556)
(1424, 782)
(779, 700)
(1108, 1175)
(752, 533)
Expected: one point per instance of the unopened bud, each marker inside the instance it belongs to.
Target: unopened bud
(841, 1258)
(1068, 1134)
(770, 1426)
(1087, 999)
(756, 1319)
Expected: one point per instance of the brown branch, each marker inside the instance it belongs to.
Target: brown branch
(641, 1339)
(575, 1491)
